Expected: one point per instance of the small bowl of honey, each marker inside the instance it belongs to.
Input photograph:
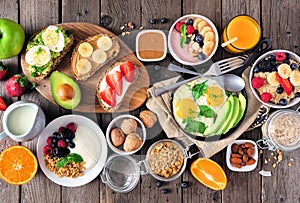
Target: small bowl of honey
(151, 45)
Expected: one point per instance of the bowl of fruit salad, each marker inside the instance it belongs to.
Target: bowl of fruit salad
(193, 39)
(275, 79)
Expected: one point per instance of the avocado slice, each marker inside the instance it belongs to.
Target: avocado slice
(230, 115)
(65, 90)
(236, 112)
(243, 104)
(222, 114)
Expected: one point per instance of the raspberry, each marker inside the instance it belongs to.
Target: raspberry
(72, 127)
(47, 150)
(178, 25)
(60, 129)
(189, 29)
(266, 96)
(62, 144)
(49, 140)
(257, 82)
(280, 56)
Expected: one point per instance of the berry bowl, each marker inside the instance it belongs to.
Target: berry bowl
(126, 134)
(275, 79)
(193, 39)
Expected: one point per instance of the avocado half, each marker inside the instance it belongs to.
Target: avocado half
(57, 80)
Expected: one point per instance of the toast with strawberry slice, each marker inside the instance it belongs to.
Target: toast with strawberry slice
(114, 83)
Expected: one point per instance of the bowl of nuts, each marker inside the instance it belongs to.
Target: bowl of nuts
(242, 155)
(166, 160)
(126, 134)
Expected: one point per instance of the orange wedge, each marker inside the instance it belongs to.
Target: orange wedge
(18, 165)
(209, 173)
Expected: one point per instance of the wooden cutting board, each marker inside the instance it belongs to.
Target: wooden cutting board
(135, 95)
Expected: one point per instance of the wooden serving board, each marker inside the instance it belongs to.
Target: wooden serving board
(135, 95)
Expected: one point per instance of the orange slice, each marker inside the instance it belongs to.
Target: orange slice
(209, 173)
(18, 165)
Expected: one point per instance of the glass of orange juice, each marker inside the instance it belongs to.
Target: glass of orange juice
(242, 33)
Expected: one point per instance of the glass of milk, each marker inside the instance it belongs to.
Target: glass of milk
(22, 121)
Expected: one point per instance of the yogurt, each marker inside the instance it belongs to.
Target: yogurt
(87, 145)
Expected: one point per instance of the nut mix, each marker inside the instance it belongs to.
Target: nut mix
(166, 159)
(241, 155)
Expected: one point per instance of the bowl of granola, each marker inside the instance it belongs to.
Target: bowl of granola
(193, 39)
(275, 79)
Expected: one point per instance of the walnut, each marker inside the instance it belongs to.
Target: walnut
(132, 142)
(117, 137)
(148, 118)
(129, 126)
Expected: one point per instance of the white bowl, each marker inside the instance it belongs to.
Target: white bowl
(175, 53)
(247, 167)
(116, 123)
(269, 104)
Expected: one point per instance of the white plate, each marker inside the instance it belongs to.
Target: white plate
(88, 175)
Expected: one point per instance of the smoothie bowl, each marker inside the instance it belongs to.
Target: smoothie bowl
(193, 39)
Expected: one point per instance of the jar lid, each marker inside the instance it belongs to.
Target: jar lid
(283, 128)
(121, 173)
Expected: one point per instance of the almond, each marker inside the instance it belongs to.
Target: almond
(248, 144)
(234, 148)
(236, 165)
(245, 158)
(250, 152)
(243, 146)
(240, 151)
(235, 155)
(236, 160)
(250, 161)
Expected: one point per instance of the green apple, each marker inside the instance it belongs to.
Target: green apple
(12, 37)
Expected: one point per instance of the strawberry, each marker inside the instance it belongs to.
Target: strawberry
(2, 104)
(17, 84)
(127, 70)
(3, 70)
(286, 84)
(189, 29)
(108, 96)
(114, 80)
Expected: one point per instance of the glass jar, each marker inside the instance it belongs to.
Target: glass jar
(281, 131)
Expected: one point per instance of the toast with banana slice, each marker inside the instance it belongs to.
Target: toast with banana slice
(93, 53)
(114, 84)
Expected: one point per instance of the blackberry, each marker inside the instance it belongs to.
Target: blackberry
(287, 61)
(271, 57)
(67, 133)
(287, 56)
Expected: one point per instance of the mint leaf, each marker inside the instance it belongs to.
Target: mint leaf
(182, 41)
(199, 90)
(206, 111)
(195, 126)
(183, 33)
(75, 158)
(62, 162)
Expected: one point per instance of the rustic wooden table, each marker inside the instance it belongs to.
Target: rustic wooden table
(280, 21)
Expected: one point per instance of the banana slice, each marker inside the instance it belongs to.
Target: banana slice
(201, 25)
(272, 80)
(83, 66)
(209, 36)
(208, 47)
(104, 43)
(85, 49)
(284, 70)
(295, 77)
(205, 30)
(99, 56)
(196, 22)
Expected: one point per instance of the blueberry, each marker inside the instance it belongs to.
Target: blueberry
(196, 31)
(152, 21)
(282, 102)
(256, 69)
(159, 183)
(68, 140)
(54, 139)
(279, 90)
(199, 38)
(287, 61)
(53, 145)
(201, 56)
(294, 66)
(271, 57)
(273, 69)
(297, 94)
(71, 144)
(190, 22)
(55, 151)
(163, 20)
(164, 191)
(57, 135)
(184, 184)
(287, 56)
(67, 133)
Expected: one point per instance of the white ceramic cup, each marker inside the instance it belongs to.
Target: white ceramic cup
(22, 121)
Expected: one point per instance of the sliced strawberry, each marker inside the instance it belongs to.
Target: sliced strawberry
(3, 70)
(127, 70)
(114, 80)
(3, 106)
(286, 84)
(108, 96)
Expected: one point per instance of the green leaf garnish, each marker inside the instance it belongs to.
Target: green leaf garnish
(199, 90)
(206, 111)
(183, 33)
(39, 50)
(62, 162)
(73, 157)
(195, 126)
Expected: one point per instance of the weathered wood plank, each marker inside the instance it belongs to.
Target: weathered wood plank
(35, 15)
